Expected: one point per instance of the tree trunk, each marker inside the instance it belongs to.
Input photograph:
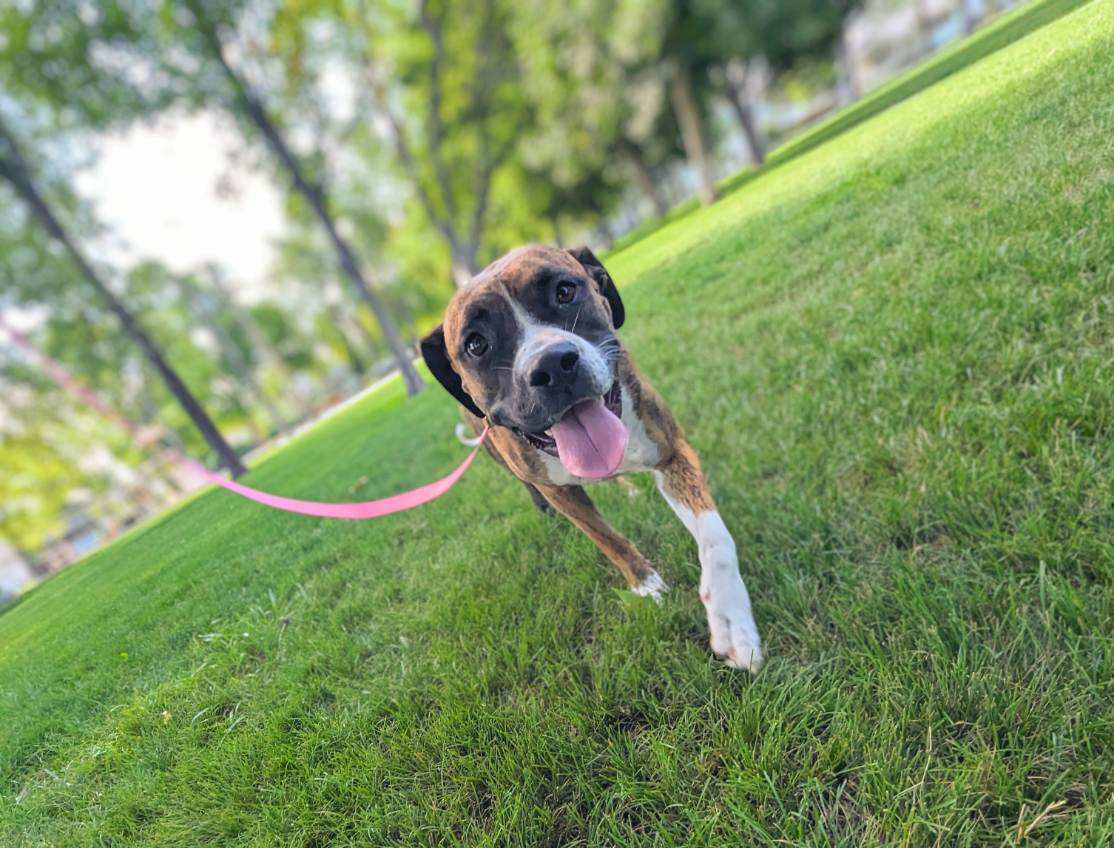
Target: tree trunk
(555, 222)
(13, 169)
(970, 16)
(687, 112)
(607, 235)
(316, 198)
(247, 322)
(849, 87)
(923, 15)
(633, 153)
(463, 263)
(740, 104)
(355, 361)
(232, 355)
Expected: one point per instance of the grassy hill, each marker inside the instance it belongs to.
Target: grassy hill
(894, 353)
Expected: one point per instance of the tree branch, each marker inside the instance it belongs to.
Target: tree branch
(432, 26)
(410, 165)
(13, 167)
(486, 161)
(317, 200)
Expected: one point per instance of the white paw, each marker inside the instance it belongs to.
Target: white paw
(652, 586)
(734, 636)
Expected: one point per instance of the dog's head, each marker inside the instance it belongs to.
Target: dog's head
(531, 337)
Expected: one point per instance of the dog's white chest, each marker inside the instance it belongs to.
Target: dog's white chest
(641, 453)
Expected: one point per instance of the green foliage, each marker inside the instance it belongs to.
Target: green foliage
(595, 106)
(52, 452)
(74, 60)
(41, 472)
(893, 356)
(453, 72)
(782, 32)
(574, 98)
(704, 35)
(279, 331)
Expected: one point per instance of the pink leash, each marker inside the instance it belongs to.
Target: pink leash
(352, 511)
(356, 510)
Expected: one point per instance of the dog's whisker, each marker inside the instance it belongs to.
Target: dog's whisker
(609, 350)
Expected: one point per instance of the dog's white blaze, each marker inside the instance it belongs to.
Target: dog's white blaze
(652, 587)
(534, 336)
(734, 635)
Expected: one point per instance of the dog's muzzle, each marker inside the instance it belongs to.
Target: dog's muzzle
(543, 440)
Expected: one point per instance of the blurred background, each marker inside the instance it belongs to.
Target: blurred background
(226, 218)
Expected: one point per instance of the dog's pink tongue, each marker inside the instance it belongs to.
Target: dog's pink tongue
(590, 440)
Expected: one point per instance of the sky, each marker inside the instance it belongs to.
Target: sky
(155, 188)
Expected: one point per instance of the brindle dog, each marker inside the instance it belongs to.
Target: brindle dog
(530, 346)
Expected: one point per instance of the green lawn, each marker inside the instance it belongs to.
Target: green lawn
(894, 353)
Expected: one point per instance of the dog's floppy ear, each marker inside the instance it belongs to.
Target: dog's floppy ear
(595, 269)
(437, 358)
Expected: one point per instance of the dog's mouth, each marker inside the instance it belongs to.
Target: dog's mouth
(589, 438)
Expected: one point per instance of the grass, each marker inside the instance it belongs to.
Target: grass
(1006, 30)
(894, 355)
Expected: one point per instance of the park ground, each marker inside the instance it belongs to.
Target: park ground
(894, 354)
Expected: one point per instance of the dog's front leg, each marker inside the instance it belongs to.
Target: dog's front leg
(573, 503)
(734, 635)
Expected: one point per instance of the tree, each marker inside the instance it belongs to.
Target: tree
(779, 34)
(687, 109)
(51, 75)
(736, 79)
(62, 459)
(212, 312)
(705, 39)
(453, 71)
(15, 171)
(301, 264)
(687, 53)
(970, 12)
(601, 115)
(634, 154)
(256, 342)
(40, 452)
(207, 22)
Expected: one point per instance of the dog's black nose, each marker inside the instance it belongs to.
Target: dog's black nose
(556, 366)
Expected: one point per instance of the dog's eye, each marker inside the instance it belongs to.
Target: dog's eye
(476, 345)
(565, 292)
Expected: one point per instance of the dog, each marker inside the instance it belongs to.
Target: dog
(529, 348)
